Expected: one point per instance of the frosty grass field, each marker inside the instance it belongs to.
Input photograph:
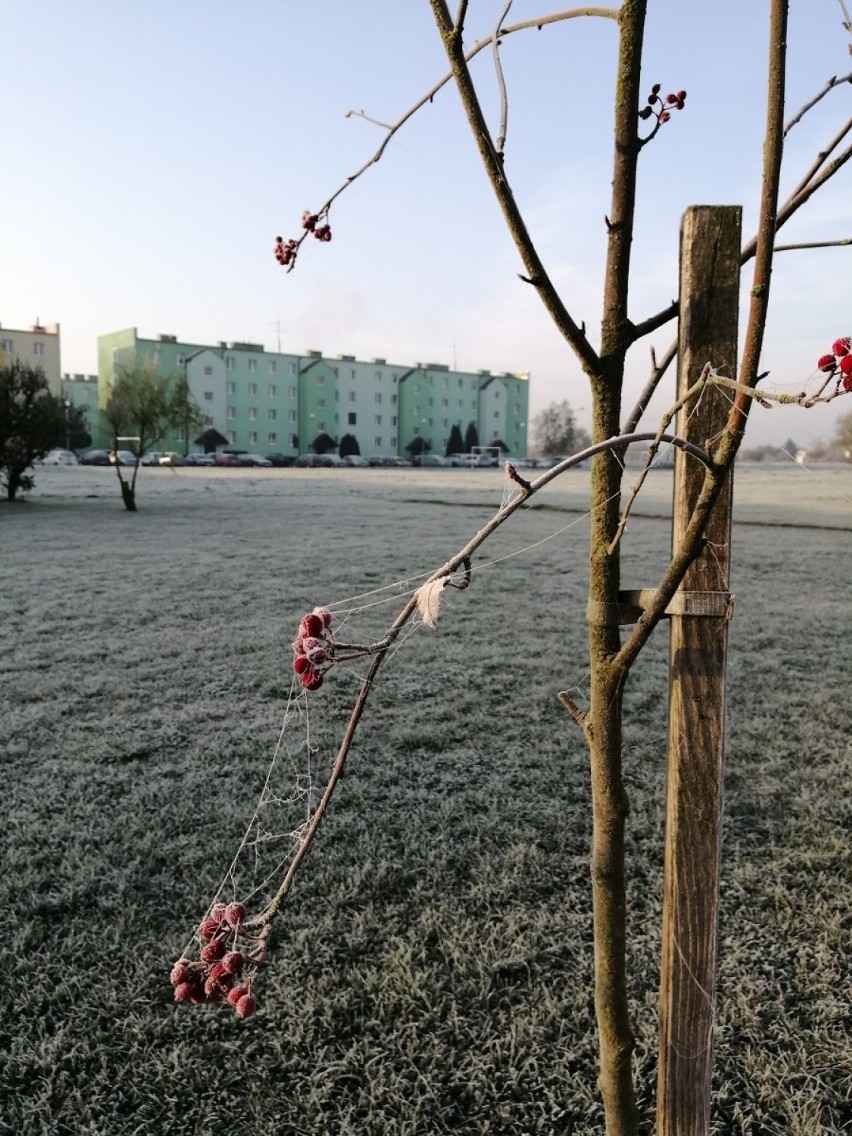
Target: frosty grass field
(431, 972)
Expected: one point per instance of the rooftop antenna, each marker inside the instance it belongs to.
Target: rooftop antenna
(277, 326)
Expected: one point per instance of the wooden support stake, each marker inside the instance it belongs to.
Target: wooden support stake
(709, 302)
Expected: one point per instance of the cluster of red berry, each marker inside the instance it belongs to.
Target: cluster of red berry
(839, 362)
(313, 648)
(284, 253)
(657, 106)
(309, 222)
(222, 973)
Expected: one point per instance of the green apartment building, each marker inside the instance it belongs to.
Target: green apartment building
(273, 402)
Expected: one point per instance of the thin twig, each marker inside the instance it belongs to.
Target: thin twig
(815, 245)
(501, 81)
(833, 82)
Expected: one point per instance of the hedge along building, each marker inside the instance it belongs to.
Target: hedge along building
(273, 402)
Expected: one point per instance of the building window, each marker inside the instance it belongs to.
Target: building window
(394, 377)
(230, 362)
(252, 413)
(352, 373)
(291, 391)
(321, 403)
(393, 420)
(378, 376)
(231, 387)
(252, 364)
(9, 345)
(232, 437)
(445, 423)
(252, 389)
(252, 437)
(180, 436)
(352, 396)
(231, 413)
(320, 380)
(378, 441)
(155, 356)
(272, 414)
(416, 431)
(496, 413)
(393, 443)
(445, 402)
(208, 396)
(272, 390)
(378, 419)
(321, 426)
(292, 368)
(393, 400)
(294, 441)
(291, 415)
(460, 404)
(180, 360)
(272, 437)
(273, 366)
(208, 370)
(38, 349)
(353, 418)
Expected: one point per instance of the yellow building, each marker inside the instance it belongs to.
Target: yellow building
(38, 346)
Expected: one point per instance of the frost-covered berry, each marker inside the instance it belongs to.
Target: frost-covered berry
(324, 614)
(209, 928)
(315, 649)
(233, 962)
(311, 626)
(183, 992)
(826, 363)
(235, 915)
(846, 365)
(301, 664)
(246, 1006)
(213, 952)
(181, 972)
(237, 993)
(842, 347)
(311, 680)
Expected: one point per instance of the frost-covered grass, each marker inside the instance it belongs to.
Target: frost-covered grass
(432, 970)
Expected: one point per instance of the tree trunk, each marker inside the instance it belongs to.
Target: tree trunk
(128, 494)
(609, 798)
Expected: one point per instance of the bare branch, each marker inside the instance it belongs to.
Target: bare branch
(773, 151)
(815, 245)
(657, 372)
(833, 82)
(535, 270)
(501, 81)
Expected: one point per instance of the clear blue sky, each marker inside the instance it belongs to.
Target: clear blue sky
(152, 151)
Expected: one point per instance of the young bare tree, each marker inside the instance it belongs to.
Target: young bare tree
(638, 118)
(143, 406)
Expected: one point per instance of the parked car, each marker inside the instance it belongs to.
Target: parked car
(434, 460)
(122, 457)
(255, 459)
(95, 457)
(152, 458)
(280, 460)
(59, 457)
(172, 458)
(355, 460)
(389, 462)
(227, 460)
(317, 460)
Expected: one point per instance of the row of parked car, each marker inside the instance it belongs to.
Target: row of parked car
(243, 459)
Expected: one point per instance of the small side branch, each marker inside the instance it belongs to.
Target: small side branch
(501, 82)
